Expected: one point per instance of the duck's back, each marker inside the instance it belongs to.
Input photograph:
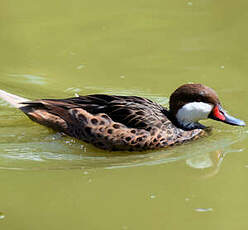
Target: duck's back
(110, 122)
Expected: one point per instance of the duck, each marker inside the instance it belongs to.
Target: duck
(128, 123)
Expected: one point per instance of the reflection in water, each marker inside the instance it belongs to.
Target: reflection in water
(2, 216)
(211, 160)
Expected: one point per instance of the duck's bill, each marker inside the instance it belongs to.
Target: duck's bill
(221, 115)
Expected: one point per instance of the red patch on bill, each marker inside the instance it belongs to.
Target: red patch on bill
(218, 114)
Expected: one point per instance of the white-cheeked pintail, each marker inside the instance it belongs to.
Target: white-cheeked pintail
(131, 123)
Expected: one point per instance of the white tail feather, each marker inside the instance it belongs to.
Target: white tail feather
(12, 99)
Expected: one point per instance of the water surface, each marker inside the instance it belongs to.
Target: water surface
(147, 48)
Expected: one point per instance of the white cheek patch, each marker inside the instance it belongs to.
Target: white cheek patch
(193, 112)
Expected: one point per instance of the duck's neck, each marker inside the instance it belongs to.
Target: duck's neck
(187, 116)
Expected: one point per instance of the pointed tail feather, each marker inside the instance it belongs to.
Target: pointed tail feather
(12, 99)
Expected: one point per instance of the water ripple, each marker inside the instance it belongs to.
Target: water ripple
(66, 153)
(29, 78)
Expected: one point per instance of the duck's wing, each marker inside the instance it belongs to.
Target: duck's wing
(132, 111)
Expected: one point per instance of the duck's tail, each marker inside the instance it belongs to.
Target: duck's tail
(12, 99)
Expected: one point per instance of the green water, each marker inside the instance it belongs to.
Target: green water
(54, 49)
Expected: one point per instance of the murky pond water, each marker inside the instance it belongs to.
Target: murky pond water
(54, 49)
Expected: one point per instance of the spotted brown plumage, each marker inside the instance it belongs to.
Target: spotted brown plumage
(110, 122)
(128, 122)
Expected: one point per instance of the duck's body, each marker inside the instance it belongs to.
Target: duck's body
(110, 122)
(114, 122)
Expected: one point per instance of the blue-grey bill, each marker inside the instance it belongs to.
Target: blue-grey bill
(233, 121)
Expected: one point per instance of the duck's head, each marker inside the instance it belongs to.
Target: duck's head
(193, 102)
